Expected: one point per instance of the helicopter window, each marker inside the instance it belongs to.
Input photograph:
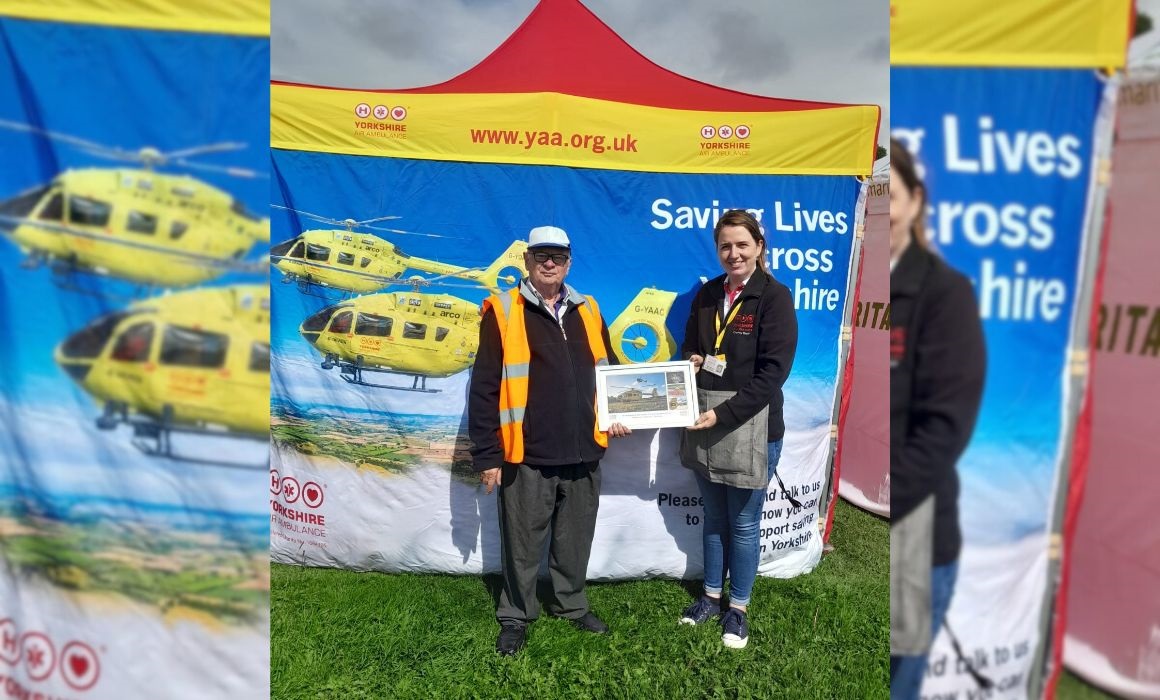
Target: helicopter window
(89, 341)
(187, 347)
(260, 357)
(23, 203)
(177, 229)
(142, 223)
(240, 209)
(345, 258)
(54, 210)
(134, 343)
(315, 323)
(414, 331)
(296, 251)
(369, 324)
(341, 322)
(317, 252)
(88, 212)
(364, 262)
(440, 334)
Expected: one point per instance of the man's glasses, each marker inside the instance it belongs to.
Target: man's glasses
(558, 258)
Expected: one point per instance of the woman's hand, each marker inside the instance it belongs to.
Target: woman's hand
(697, 361)
(706, 420)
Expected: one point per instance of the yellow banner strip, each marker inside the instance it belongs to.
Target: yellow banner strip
(556, 129)
(1017, 33)
(243, 17)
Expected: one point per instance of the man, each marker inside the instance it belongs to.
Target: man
(532, 420)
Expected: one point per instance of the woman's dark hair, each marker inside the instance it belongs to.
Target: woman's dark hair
(902, 163)
(741, 217)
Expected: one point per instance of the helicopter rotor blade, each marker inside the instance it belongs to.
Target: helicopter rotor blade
(316, 217)
(224, 147)
(227, 170)
(63, 138)
(410, 233)
(364, 222)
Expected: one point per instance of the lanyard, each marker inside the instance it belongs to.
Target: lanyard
(717, 324)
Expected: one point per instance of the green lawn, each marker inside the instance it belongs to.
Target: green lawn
(340, 634)
(1071, 687)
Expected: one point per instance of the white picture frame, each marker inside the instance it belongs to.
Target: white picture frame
(646, 395)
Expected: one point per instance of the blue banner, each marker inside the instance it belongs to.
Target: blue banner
(132, 291)
(1006, 157)
(642, 245)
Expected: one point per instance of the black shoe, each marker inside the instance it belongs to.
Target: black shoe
(511, 639)
(703, 610)
(590, 623)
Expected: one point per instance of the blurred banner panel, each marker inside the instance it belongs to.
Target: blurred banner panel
(376, 326)
(864, 437)
(1012, 127)
(135, 306)
(1113, 618)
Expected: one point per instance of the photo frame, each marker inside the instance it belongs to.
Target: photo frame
(646, 395)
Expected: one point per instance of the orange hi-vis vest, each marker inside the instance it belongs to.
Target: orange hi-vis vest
(517, 356)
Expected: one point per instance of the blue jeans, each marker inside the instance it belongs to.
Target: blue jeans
(906, 672)
(730, 536)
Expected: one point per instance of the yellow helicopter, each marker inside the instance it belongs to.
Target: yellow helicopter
(423, 335)
(414, 334)
(133, 223)
(639, 333)
(361, 263)
(195, 362)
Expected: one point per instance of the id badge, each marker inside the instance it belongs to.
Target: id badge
(713, 365)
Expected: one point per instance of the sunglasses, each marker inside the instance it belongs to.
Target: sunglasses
(558, 258)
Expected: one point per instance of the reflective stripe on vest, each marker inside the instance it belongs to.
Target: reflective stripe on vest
(517, 356)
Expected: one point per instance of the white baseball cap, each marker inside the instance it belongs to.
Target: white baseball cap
(548, 237)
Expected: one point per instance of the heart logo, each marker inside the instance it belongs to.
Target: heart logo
(311, 494)
(78, 664)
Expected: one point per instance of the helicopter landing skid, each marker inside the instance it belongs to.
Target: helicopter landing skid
(352, 374)
(318, 291)
(155, 438)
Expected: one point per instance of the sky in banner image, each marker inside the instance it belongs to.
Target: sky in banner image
(775, 49)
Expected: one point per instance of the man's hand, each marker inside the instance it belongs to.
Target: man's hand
(697, 361)
(490, 478)
(706, 420)
(618, 430)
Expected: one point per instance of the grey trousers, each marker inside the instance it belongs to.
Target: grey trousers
(557, 504)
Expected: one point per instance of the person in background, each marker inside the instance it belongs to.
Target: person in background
(741, 337)
(532, 422)
(937, 366)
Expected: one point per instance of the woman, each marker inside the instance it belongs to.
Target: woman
(937, 360)
(741, 336)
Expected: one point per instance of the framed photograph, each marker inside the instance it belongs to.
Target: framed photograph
(648, 395)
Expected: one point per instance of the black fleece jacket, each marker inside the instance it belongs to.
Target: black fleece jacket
(759, 347)
(937, 368)
(560, 415)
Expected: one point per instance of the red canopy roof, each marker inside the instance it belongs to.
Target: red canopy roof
(563, 47)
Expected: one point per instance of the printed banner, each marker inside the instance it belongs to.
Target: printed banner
(556, 129)
(1008, 183)
(1113, 612)
(134, 441)
(376, 327)
(864, 438)
(1028, 33)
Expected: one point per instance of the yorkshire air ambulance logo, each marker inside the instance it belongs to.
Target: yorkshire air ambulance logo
(380, 120)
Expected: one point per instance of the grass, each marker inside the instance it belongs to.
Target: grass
(342, 634)
(1072, 687)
